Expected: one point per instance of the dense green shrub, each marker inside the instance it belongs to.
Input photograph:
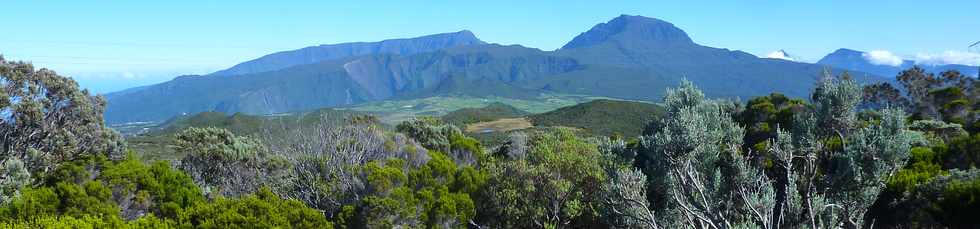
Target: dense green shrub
(261, 210)
(763, 115)
(98, 193)
(556, 184)
(963, 153)
(923, 167)
(435, 195)
(97, 186)
(88, 222)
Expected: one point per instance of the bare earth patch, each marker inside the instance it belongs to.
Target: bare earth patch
(500, 125)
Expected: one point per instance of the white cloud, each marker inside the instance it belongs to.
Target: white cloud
(948, 57)
(882, 57)
(780, 55)
(128, 75)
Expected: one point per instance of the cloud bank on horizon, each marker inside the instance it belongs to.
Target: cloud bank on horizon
(948, 57)
(885, 57)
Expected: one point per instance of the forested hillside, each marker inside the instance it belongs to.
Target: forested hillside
(846, 156)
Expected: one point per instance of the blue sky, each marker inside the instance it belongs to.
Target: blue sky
(111, 45)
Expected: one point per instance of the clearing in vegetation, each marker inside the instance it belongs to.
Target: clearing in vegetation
(500, 125)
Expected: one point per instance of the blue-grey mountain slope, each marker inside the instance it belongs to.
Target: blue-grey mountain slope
(639, 54)
(629, 57)
(315, 54)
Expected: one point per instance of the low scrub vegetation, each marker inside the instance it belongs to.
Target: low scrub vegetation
(847, 157)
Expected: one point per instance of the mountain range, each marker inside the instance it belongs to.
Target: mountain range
(628, 57)
(859, 61)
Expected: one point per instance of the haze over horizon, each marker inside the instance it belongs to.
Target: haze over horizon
(117, 45)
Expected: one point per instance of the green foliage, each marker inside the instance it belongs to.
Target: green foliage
(99, 193)
(47, 119)
(762, 116)
(826, 173)
(261, 210)
(431, 132)
(964, 152)
(88, 222)
(946, 201)
(695, 166)
(13, 177)
(949, 97)
(217, 143)
(436, 195)
(695, 153)
(325, 162)
(881, 95)
(942, 105)
(556, 184)
(99, 187)
(870, 154)
(158, 142)
(959, 203)
(923, 167)
(223, 163)
(602, 117)
(938, 132)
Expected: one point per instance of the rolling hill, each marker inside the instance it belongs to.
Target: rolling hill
(157, 142)
(629, 57)
(602, 117)
(491, 112)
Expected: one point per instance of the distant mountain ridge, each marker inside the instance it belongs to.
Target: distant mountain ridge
(315, 54)
(855, 60)
(629, 57)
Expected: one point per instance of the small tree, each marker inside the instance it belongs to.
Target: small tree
(842, 168)
(222, 163)
(708, 182)
(559, 181)
(433, 134)
(46, 119)
(326, 161)
(13, 177)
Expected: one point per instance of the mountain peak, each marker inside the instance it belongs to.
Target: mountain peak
(462, 37)
(467, 33)
(631, 28)
(782, 55)
(846, 52)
